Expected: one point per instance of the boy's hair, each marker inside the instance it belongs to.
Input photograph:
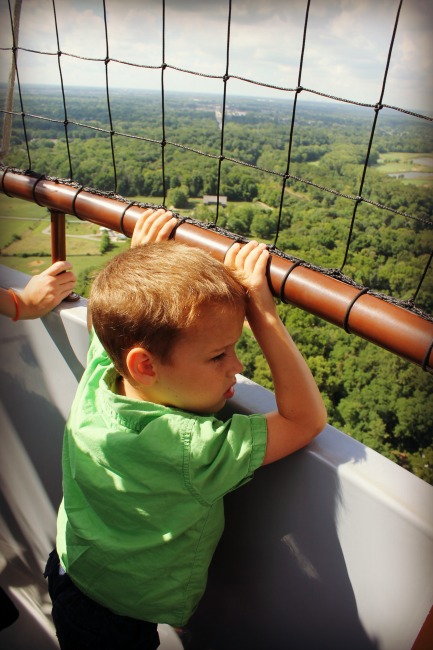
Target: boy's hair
(150, 294)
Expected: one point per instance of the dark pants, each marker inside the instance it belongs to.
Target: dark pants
(83, 624)
(8, 611)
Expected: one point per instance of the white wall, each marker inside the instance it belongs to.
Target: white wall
(331, 548)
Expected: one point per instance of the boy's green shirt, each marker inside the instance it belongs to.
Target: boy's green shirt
(143, 485)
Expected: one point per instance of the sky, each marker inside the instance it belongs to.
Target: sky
(346, 46)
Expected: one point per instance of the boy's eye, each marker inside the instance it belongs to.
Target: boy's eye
(218, 357)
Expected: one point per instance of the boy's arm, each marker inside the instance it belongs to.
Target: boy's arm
(301, 413)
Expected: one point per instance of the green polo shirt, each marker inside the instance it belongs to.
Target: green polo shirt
(143, 486)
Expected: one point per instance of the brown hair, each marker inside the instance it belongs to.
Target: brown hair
(150, 294)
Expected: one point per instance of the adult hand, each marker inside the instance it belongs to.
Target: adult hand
(46, 290)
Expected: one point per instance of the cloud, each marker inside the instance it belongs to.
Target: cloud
(345, 55)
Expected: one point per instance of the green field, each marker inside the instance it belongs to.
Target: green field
(372, 395)
(25, 240)
(397, 162)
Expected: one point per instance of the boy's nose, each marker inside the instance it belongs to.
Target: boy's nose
(238, 365)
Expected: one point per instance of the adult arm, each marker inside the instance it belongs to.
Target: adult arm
(42, 293)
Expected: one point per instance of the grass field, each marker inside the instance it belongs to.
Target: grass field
(397, 162)
(25, 240)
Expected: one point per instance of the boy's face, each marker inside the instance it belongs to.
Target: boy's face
(200, 375)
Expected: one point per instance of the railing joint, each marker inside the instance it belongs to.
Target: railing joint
(345, 324)
(283, 283)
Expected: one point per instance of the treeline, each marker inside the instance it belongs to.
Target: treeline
(387, 252)
(372, 395)
(381, 400)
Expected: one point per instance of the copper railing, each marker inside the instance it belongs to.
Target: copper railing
(401, 331)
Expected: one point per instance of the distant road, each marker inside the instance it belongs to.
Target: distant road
(2, 216)
(47, 230)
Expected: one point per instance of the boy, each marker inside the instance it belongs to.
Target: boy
(146, 464)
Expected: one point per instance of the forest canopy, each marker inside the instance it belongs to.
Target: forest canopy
(379, 399)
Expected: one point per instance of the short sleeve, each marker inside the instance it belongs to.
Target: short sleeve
(222, 456)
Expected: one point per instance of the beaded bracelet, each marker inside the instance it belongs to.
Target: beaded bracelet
(17, 305)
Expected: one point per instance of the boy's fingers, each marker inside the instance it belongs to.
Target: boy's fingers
(248, 256)
(148, 225)
(240, 253)
(166, 229)
(147, 219)
(254, 255)
(230, 256)
(141, 227)
(159, 221)
(245, 258)
(262, 261)
(145, 216)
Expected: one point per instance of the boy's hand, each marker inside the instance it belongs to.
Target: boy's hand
(251, 261)
(153, 226)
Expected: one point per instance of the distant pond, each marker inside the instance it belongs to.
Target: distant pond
(427, 162)
(426, 175)
(423, 161)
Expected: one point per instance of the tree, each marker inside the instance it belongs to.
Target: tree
(372, 395)
(178, 197)
(264, 225)
(84, 281)
(105, 242)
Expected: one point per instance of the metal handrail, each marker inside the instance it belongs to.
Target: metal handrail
(398, 330)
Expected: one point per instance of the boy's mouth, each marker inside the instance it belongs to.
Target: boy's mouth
(230, 392)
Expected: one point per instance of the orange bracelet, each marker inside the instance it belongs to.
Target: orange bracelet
(17, 305)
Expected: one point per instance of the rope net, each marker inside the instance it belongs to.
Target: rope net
(364, 205)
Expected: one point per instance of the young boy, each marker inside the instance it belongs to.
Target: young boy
(146, 463)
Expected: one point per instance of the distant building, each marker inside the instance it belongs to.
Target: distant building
(210, 199)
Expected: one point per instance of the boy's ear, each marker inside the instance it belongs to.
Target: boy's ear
(141, 366)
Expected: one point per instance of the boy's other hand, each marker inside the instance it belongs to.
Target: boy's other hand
(251, 261)
(153, 226)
